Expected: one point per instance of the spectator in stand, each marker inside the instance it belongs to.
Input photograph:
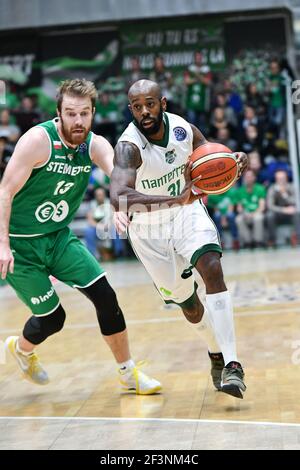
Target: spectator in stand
(223, 137)
(276, 91)
(26, 115)
(220, 102)
(222, 210)
(251, 140)
(218, 121)
(198, 80)
(11, 131)
(233, 98)
(251, 197)
(98, 179)
(135, 73)
(269, 169)
(255, 99)
(281, 205)
(99, 221)
(165, 80)
(106, 118)
(6, 151)
(256, 166)
(250, 118)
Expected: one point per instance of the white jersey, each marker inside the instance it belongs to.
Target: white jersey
(163, 162)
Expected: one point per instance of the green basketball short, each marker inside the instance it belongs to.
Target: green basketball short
(59, 254)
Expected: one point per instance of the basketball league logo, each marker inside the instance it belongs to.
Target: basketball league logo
(180, 133)
(83, 147)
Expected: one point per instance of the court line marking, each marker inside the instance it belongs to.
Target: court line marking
(77, 326)
(170, 420)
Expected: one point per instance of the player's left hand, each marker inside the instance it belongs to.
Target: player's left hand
(121, 222)
(242, 161)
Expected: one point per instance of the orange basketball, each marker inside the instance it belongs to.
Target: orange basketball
(217, 166)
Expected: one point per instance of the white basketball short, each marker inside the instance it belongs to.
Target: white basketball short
(167, 250)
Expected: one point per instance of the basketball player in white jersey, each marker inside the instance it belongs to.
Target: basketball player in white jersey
(170, 229)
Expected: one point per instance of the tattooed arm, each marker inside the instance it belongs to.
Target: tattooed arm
(126, 162)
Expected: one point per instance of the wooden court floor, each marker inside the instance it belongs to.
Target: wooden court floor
(82, 407)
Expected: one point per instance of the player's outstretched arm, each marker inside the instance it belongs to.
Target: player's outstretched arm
(123, 195)
(31, 150)
(102, 154)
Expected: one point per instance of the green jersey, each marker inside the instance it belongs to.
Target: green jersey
(277, 96)
(222, 202)
(198, 93)
(250, 200)
(51, 196)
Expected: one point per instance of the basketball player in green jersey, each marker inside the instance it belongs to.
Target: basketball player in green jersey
(41, 190)
(170, 229)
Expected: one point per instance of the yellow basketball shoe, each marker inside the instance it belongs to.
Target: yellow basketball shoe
(135, 380)
(30, 365)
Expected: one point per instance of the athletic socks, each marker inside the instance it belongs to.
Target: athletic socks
(20, 351)
(220, 316)
(126, 366)
(206, 333)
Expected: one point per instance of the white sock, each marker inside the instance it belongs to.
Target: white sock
(20, 351)
(206, 333)
(220, 315)
(126, 366)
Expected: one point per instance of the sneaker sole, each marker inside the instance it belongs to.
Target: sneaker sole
(29, 379)
(217, 383)
(232, 390)
(152, 391)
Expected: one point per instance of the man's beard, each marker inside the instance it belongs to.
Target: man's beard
(74, 138)
(154, 128)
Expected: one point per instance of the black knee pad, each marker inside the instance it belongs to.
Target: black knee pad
(110, 316)
(37, 329)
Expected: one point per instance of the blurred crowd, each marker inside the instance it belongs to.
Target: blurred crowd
(244, 109)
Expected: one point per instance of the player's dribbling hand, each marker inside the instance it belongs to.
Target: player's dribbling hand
(187, 195)
(121, 222)
(242, 162)
(6, 260)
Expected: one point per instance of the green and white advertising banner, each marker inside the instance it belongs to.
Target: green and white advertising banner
(176, 41)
